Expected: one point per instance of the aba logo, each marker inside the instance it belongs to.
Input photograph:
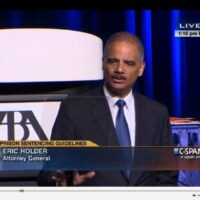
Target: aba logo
(23, 122)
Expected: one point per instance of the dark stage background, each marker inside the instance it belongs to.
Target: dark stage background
(172, 74)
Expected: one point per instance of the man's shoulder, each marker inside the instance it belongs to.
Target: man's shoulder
(85, 97)
(94, 92)
(148, 102)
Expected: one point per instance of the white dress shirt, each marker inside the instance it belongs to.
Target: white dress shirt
(129, 111)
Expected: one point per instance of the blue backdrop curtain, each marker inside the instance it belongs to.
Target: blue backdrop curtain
(172, 74)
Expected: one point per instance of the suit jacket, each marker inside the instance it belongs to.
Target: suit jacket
(88, 117)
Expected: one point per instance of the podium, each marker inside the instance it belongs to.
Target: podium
(40, 68)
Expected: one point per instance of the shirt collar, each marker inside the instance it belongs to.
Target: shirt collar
(112, 100)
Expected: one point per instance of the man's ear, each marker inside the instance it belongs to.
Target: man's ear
(142, 67)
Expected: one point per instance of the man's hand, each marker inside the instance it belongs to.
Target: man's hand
(61, 179)
(81, 178)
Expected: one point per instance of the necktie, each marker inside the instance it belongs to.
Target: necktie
(123, 136)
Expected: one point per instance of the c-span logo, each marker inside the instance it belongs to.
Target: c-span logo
(187, 152)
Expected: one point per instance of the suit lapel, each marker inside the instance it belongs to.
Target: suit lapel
(140, 137)
(140, 116)
(101, 113)
(103, 119)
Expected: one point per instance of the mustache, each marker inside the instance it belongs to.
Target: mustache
(118, 76)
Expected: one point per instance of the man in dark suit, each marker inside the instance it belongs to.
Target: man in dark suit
(94, 116)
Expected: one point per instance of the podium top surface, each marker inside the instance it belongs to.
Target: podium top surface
(49, 55)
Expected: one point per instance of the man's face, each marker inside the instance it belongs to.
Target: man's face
(121, 66)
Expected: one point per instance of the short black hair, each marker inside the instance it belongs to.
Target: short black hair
(127, 37)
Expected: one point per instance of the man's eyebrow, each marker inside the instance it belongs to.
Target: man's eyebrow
(112, 58)
(130, 61)
(126, 60)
